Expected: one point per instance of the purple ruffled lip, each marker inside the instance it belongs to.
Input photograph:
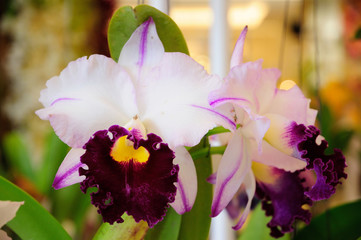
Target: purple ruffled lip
(329, 169)
(283, 200)
(143, 190)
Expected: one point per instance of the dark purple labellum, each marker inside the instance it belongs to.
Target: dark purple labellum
(283, 200)
(143, 190)
(328, 168)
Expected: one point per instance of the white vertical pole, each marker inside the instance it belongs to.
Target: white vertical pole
(219, 38)
(162, 5)
(221, 226)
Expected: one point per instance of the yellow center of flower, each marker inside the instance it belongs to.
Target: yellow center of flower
(123, 151)
(263, 172)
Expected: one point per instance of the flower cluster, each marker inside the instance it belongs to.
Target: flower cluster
(128, 123)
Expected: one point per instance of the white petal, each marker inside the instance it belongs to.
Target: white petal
(173, 101)
(8, 211)
(292, 104)
(142, 51)
(235, 164)
(254, 127)
(237, 55)
(241, 84)
(187, 181)
(68, 172)
(250, 184)
(89, 95)
(272, 157)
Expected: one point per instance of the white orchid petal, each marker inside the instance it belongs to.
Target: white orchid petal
(240, 86)
(237, 55)
(292, 104)
(250, 184)
(68, 172)
(89, 95)
(273, 157)
(173, 101)
(235, 164)
(8, 211)
(142, 51)
(187, 181)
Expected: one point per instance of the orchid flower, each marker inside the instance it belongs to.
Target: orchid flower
(127, 121)
(275, 142)
(8, 211)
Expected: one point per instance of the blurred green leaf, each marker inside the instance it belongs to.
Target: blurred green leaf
(358, 34)
(196, 223)
(168, 229)
(32, 221)
(128, 230)
(125, 20)
(342, 139)
(55, 152)
(15, 151)
(257, 228)
(341, 222)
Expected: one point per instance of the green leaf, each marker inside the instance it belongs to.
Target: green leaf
(342, 138)
(358, 34)
(168, 229)
(341, 222)
(125, 20)
(196, 223)
(54, 154)
(32, 221)
(257, 228)
(127, 230)
(16, 153)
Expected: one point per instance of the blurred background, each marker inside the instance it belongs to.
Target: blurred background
(316, 43)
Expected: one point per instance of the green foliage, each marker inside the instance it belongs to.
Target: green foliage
(54, 153)
(257, 228)
(341, 222)
(125, 20)
(336, 138)
(16, 152)
(168, 229)
(32, 221)
(128, 230)
(358, 33)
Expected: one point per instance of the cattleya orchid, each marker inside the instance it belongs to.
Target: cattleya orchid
(272, 147)
(127, 121)
(8, 211)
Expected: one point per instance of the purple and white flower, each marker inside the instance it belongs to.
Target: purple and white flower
(274, 143)
(153, 103)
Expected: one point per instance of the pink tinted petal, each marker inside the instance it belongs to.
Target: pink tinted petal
(142, 51)
(266, 88)
(187, 181)
(278, 135)
(250, 184)
(173, 101)
(68, 172)
(234, 166)
(240, 86)
(89, 95)
(254, 127)
(237, 55)
(8, 211)
(272, 157)
(292, 104)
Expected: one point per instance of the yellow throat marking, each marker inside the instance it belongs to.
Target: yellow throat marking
(123, 151)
